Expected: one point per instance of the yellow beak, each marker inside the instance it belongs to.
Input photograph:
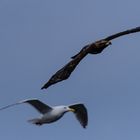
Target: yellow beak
(71, 109)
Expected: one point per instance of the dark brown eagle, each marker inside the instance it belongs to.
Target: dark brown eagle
(92, 48)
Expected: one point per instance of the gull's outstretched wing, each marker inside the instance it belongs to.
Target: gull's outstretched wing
(130, 31)
(38, 105)
(80, 113)
(5, 107)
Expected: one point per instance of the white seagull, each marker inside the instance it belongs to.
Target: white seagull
(51, 114)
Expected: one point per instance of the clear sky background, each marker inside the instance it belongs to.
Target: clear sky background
(38, 37)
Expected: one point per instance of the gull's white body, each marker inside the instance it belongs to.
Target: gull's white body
(53, 115)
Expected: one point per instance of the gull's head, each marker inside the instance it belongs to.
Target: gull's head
(64, 109)
(68, 109)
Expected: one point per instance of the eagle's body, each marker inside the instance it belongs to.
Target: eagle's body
(92, 48)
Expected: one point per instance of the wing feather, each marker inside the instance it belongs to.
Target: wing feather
(80, 113)
(133, 30)
(38, 105)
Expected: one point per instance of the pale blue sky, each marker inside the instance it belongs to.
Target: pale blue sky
(38, 37)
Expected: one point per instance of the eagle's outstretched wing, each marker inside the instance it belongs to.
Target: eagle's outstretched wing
(98, 46)
(130, 31)
(64, 72)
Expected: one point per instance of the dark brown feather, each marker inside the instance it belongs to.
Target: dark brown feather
(64, 72)
(130, 31)
(92, 48)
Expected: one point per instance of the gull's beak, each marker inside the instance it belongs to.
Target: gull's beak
(71, 109)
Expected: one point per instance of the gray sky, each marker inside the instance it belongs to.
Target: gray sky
(38, 37)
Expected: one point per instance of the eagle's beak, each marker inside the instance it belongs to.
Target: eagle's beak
(71, 109)
(109, 43)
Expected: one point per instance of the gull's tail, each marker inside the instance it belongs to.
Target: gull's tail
(35, 121)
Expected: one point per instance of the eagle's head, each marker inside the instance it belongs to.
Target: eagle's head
(103, 43)
(98, 46)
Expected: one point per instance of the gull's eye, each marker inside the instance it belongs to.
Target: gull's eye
(65, 107)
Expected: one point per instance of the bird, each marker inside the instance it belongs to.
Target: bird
(98, 46)
(92, 48)
(51, 114)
